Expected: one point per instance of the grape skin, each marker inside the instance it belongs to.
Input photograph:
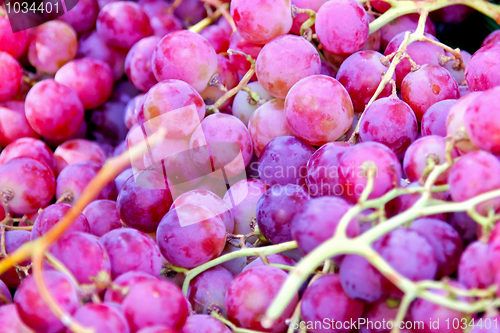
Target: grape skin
(52, 215)
(244, 107)
(78, 150)
(103, 318)
(13, 123)
(29, 147)
(434, 119)
(138, 63)
(13, 43)
(482, 72)
(204, 324)
(125, 281)
(11, 74)
(11, 322)
(13, 240)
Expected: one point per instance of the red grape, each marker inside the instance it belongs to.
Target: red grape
(33, 310)
(204, 324)
(54, 110)
(228, 77)
(259, 22)
(298, 20)
(297, 59)
(317, 300)
(155, 302)
(493, 37)
(434, 119)
(195, 230)
(123, 283)
(29, 147)
(238, 43)
(102, 318)
(263, 284)
(51, 45)
(451, 66)
(131, 250)
(138, 63)
(318, 109)
(83, 16)
(13, 123)
(402, 24)
(78, 150)
(102, 216)
(13, 43)
(157, 329)
(132, 110)
(11, 322)
(482, 72)
(13, 240)
(186, 56)
(160, 19)
(455, 126)
(12, 76)
(276, 258)
(51, 215)
(391, 122)
(27, 184)
(123, 23)
(475, 269)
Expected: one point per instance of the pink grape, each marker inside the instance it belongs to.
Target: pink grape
(27, 184)
(238, 43)
(91, 45)
(267, 123)
(361, 74)
(328, 290)
(235, 152)
(204, 324)
(74, 179)
(481, 128)
(352, 163)
(472, 175)
(132, 110)
(54, 110)
(391, 122)
(228, 76)
(244, 106)
(11, 322)
(318, 220)
(157, 329)
(242, 198)
(150, 303)
(12, 76)
(92, 80)
(298, 20)
(378, 315)
(342, 26)
(426, 86)
(283, 161)
(162, 22)
(13, 240)
(78, 150)
(85, 247)
(52, 45)
(13, 43)
(83, 16)
(420, 52)
(492, 38)
(102, 216)
(451, 66)
(455, 126)
(360, 280)
(474, 268)
(131, 250)
(298, 59)
(325, 120)
(29, 147)
(53, 214)
(13, 123)
(277, 209)
(482, 71)
(138, 63)
(262, 283)
(121, 24)
(260, 22)
(277, 258)
(33, 310)
(218, 37)
(209, 200)
(434, 119)
(208, 290)
(102, 318)
(170, 62)
(402, 24)
(175, 106)
(416, 156)
(124, 282)
(123, 177)
(196, 230)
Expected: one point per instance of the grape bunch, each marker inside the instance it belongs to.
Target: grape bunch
(249, 166)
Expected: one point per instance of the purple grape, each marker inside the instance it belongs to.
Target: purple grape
(102, 216)
(207, 291)
(102, 318)
(445, 241)
(276, 210)
(11, 322)
(464, 225)
(391, 122)
(160, 18)
(283, 161)
(204, 324)
(83, 16)
(455, 126)
(12, 112)
(317, 221)
(33, 310)
(359, 279)
(74, 248)
(474, 268)
(190, 235)
(123, 177)
(123, 283)
(143, 200)
(352, 178)
(378, 315)
(328, 290)
(131, 250)
(159, 302)
(434, 119)
(263, 284)
(13, 240)
(51, 215)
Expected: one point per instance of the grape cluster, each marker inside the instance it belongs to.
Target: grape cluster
(217, 166)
